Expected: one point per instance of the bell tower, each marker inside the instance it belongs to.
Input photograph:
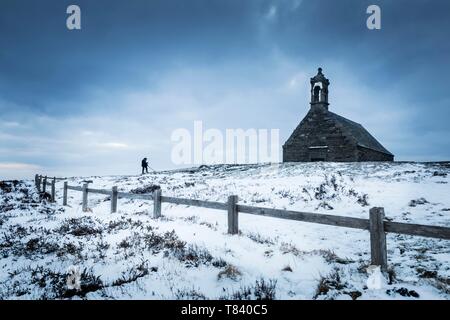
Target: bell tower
(319, 91)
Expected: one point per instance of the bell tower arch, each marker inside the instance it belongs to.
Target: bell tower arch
(319, 91)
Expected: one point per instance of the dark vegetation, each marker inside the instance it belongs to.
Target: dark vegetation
(261, 290)
(147, 189)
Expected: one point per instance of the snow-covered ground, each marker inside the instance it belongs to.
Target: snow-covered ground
(187, 254)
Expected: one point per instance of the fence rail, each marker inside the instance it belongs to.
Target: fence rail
(417, 230)
(332, 220)
(196, 203)
(376, 224)
(75, 188)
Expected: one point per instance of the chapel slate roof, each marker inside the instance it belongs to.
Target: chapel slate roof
(359, 133)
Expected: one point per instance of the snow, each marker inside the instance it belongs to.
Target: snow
(376, 280)
(129, 255)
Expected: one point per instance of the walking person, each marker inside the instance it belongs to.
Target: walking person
(144, 165)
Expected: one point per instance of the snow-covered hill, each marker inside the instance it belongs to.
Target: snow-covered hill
(187, 254)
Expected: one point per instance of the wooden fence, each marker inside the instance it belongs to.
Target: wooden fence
(42, 182)
(376, 224)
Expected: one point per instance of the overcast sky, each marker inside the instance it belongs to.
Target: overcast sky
(97, 100)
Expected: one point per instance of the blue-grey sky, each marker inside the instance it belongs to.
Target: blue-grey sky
(96, 100)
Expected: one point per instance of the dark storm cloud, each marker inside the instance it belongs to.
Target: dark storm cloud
(191, 57)
(121, 44)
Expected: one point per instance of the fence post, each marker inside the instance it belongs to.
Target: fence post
(233, 226)
(39, 184)
(36, 181)
(65, 194)
(85, 197)
(114, 196)
(44, 184)
(53, 189)
(378, 250)
(157, 203)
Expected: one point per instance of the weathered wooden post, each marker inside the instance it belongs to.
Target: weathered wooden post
(53, 189)
(39, 184)
(157, 203)
(378, 250)
(65, 194)
(44, 184)
(36, 181)
(85, 197)
(233, 226)
(114, 196)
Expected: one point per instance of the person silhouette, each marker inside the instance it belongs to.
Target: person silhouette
(144, 165)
